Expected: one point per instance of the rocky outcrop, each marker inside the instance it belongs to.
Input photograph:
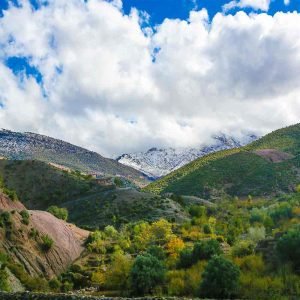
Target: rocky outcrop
(24, 243)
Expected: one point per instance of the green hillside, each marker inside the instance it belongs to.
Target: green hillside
(240, 172)
(40, 185)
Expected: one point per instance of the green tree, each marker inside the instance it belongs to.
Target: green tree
(60, 213)
(147, 272)
(220, 279)
(288, 247)
(206, 249)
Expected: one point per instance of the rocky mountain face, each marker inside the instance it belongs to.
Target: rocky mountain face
(21, 237)
(156, 162)
(31, 146)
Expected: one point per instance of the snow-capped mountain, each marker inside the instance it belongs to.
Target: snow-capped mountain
(156, 162)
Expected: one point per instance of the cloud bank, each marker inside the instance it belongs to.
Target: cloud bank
(113, 85)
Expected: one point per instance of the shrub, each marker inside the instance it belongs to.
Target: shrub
(60, 213)
(243, 248)
(257, 233)
(4, 285)
(157, 252)
(47, 242)
(220, 279)
(197, 211)
(25, 217)
(206, 249)
(288, 247)
(54, 284)
(207, 229)
(186, 259)
(147, 272)
(11, 194)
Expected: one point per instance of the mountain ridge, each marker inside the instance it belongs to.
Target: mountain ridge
(30, 146)
(240, 171)
(158, 162)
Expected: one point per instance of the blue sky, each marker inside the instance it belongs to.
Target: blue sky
(92, 80)
(161, 9)
(158, 10)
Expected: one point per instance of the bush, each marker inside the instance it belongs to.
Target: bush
(288, 247)
(197, 211)
(25, 217)
(47, 242)
(147, 272)
(4, 285)
(206, 249)
(157, 252)
(54, 284)
(186, 259)
(243, 248)
(60, 213)
(207, 229)
(220, 279)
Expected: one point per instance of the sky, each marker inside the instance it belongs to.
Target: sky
(124, 76)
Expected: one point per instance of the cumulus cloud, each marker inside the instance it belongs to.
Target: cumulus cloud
(114, 86)
(286, 2)
(254, 4)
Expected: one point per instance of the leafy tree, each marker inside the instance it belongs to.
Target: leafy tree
(60, 213)
(206, 249)
(197, 211)
(157, 252)
(186, 259)
(288, 247)
(147, 272)
(118, 274)
(220, 279)
(161, 232)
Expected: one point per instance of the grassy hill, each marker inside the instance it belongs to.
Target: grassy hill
(40, 185)
(268, 166)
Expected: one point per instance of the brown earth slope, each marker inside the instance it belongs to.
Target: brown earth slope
(23, 243)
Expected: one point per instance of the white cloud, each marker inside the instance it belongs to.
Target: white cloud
(286, 2)
(254, 4)
(233, 74)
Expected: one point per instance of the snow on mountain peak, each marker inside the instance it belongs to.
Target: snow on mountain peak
(157, 162)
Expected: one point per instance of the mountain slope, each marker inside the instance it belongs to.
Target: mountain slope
(31, 146)
(270, 165)
(22, 241)
(90, 202)
(156, 163)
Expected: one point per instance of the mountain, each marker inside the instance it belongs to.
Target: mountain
(31, 146)
(156, 162)
(268, 166)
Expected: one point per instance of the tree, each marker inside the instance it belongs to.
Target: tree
(161, 232)
(206, 249)
(147, 272)
(288, 247)
(220, 279)
(186, 258)
(117, 275)
(60, 213)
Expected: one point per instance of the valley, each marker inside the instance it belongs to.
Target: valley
(65, 232)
